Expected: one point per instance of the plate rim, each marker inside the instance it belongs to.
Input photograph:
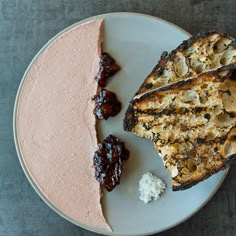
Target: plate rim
(31, 180)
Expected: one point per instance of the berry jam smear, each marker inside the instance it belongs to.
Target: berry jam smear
(106, 104)
(108, 162)
(107, 68)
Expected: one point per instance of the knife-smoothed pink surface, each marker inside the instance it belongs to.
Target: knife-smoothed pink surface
(56, 126)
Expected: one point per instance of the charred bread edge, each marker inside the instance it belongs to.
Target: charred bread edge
(130, 119)
(183, 46)
(227, 163)
(157, 69)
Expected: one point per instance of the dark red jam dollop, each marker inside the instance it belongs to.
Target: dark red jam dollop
(108, 162)
(106, 104)
(107, 68)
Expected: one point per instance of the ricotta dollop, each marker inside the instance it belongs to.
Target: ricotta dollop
(150, 187)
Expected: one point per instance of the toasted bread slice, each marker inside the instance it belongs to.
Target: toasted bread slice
(184, 103)
(196, 115)
(201, 53)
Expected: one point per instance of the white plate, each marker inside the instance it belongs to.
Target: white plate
(137, 41)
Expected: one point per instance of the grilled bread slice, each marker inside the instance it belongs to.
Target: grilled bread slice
(192, 123)
(183, 104)
(201, 53)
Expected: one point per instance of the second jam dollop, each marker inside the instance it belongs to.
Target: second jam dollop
(106, 104)
(108, 162)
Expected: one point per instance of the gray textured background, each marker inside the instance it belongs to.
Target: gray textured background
(25, 26)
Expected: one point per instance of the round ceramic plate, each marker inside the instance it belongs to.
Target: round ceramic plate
(136, 41)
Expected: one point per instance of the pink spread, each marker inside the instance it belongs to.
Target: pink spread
(56, 126)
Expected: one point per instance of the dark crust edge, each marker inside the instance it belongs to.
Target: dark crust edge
(183, 46)
(130, 119)
(227, 162)
(156, 70)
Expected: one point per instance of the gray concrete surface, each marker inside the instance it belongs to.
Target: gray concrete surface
(25, 26)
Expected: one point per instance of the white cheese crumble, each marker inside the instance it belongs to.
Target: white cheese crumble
(150, 187)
